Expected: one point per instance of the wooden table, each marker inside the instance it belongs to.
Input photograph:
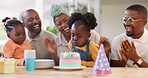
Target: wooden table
(85, 73)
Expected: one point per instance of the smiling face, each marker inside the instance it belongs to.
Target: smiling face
(17, 34)
(136, 29)
(79, 34)
(32, 21)
(61, 22)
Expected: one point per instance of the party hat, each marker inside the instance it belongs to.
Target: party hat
(101, 66)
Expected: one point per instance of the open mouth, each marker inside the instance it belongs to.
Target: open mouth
(67, 30)
(129, 29)
(74, 42)
(36, 26)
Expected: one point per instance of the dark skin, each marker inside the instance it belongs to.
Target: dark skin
(106, 44)
(1, 54)
(128, 50)
(17, 34)
(32, 22)
(61, 22)
(79, 34)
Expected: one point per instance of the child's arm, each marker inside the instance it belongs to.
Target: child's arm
(8, 50)
(70, 45)
(94, 48)
(90, 63)
(20, 62)
(87, 63)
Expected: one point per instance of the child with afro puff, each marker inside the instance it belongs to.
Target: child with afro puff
(80, 25)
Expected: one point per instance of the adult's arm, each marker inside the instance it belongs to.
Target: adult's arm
(100, 40)
(117, 63)
(118, 58)
(130, 53)
(52, 48)
(107, 47)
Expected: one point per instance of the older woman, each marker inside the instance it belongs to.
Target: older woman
(60, 43)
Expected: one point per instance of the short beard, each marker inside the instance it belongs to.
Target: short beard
(36, 33)
(129, 35)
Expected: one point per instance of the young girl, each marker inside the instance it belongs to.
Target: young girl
(14, 48)
(81, 24)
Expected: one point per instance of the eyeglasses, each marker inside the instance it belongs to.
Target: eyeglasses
(130, 20)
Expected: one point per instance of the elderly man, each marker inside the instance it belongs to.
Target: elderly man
(130, 48)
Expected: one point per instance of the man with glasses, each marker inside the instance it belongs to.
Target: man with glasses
(130, 49)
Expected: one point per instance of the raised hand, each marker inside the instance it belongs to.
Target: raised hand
(50, 45)
(123, 55)
(106, 44)
(130, 50)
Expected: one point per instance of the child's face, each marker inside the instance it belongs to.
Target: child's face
(79, 35)
(17, 34)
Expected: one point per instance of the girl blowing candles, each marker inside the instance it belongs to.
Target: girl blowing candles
(81, 24)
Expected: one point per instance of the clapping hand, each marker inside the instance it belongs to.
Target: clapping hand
(106, 44)
(50, 45)
(129, 50)
(123, 55)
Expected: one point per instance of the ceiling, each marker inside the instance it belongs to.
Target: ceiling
(11, 7)
(107, 2)
(16, 4)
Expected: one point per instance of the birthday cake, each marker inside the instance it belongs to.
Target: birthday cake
(70, 60)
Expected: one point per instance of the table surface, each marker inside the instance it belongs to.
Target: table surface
(117, 72)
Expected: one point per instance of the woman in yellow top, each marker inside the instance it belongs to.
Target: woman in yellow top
(81, 24)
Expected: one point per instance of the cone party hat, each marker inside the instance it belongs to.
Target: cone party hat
(101, 66)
